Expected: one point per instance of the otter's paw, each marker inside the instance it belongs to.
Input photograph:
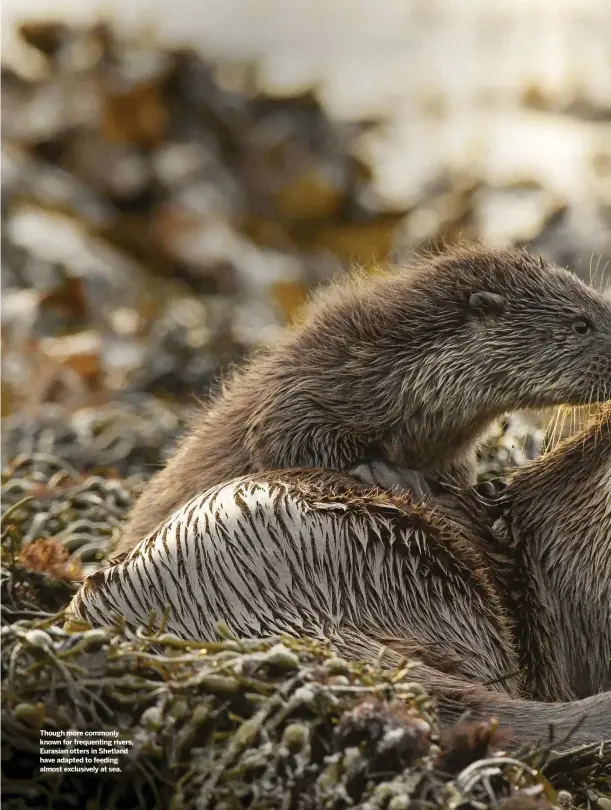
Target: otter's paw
(489, 490)
(392, 478)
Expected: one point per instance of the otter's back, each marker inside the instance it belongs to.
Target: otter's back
(309, 555)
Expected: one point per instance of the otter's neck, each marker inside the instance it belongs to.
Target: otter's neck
(399, 396)
(560, 516)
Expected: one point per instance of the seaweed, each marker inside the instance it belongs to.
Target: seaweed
(272, 723)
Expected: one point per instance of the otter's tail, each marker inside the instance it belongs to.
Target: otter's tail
(527, 722)
(564, 725)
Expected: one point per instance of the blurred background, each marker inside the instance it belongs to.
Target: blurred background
(177, 176)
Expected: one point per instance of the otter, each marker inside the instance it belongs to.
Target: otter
(401, 371)
(556, 518)
(383, 576)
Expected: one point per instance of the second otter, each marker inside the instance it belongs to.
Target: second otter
(408, 368)
(557, 520)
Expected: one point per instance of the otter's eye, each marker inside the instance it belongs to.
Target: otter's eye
(582, 326)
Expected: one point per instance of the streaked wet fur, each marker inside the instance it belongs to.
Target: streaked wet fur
(312, 553)
(557, 518)
(304, 553)
(408, 368)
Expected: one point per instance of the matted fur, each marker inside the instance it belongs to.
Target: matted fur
(312, 553)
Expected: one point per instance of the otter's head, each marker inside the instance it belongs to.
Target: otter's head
(514, 331)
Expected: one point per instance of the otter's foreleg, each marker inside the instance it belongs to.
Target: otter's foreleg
(400, 480)
(461, 472)
(432, 486)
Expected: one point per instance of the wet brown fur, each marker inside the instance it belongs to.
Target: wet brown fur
(402, 368)
(536, 585)
(548, 563)
(557, 526)
(553, 573)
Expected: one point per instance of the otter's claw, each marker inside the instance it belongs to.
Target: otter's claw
(389, 477)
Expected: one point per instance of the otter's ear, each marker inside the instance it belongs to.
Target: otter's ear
(483, 304)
